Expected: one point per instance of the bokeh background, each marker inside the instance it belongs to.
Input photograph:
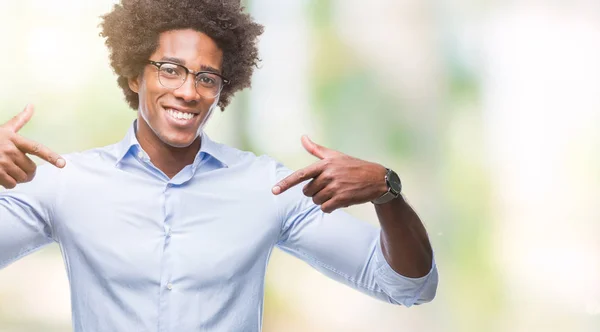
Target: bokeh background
(489, 110)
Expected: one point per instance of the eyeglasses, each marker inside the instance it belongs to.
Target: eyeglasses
(172, 76)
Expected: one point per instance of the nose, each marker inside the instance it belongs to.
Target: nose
(187, 91)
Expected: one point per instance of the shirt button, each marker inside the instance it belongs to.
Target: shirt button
(170, 286)
(140, 155)
(169, 232)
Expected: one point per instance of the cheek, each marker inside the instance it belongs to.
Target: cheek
(148, 95)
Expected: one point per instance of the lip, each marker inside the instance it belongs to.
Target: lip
(184, 110)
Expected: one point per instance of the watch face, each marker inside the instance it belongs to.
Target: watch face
(394, 181)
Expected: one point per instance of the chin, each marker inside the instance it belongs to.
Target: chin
(179, 143)
(178, 140)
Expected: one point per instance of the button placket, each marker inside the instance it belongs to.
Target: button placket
(167, 259)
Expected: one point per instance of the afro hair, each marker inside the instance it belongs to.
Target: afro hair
(133, 27)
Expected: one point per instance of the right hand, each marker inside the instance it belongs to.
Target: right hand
(15, 166)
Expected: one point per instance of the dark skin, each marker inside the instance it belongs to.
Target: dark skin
(16, 165)
(338, 180)
(170, 160)
(173, 144)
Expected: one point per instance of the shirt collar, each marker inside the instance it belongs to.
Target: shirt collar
(208, 147)
(126, 143)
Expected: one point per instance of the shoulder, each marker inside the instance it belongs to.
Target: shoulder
(105, 154)
(261, 171)
(234, 158)
(51, 178)
(91, 161)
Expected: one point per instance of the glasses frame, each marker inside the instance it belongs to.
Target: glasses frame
(188, 71)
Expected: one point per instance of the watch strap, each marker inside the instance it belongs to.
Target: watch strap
(388, 196)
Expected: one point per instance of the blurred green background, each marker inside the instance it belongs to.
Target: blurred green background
(489, 110)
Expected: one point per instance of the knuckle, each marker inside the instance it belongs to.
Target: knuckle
(12, 151)
(6, 134)
(334, 187)
(329, 174)
(4, 160)
(31, 174)
(8, 184)
(345, 200)
(306, 191)
(301, 175)
(4, 147)
(36, 148)
(22, 178)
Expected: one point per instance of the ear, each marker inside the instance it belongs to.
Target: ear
(134, 84)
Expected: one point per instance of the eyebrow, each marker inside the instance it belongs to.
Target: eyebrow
(182, 62)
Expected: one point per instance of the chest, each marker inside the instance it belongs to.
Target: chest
(128, 229)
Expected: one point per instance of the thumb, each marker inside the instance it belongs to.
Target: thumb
(18, 121)
(315, 149)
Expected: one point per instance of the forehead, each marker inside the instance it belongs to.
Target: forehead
(193, 48)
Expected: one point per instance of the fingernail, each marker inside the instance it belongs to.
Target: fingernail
(276, 190)
(61, 163)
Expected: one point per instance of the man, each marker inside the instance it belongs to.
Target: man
(170, 231)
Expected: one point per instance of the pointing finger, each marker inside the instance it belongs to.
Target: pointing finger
(298, 177)
(37, 149)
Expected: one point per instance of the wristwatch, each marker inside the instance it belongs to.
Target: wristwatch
(392, 180)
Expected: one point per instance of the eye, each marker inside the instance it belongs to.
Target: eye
(208, 80)
(170, 70)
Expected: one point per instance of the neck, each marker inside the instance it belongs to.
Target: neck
(170, 160)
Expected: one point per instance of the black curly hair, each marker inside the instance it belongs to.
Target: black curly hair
(133, 27)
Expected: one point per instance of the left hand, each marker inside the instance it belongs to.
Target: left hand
(338, 180)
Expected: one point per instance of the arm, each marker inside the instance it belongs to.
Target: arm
(24, 222)
(25, 213)
(404, 240)
(394, 264)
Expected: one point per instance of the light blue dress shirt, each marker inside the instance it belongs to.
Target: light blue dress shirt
(147, 253)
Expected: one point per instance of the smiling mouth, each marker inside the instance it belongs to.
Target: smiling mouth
(181, 116)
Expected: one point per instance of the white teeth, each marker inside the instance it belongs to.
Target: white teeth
(180, 115)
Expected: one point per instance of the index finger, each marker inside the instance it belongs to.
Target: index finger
(298, 177)
(37, 149)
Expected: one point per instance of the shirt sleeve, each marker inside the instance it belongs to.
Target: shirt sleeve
(345, 249)
(26, 215)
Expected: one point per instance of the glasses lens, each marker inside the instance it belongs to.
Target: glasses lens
(209, 85)
(171, 76)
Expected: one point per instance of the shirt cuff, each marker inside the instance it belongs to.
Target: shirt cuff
(405, 290)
